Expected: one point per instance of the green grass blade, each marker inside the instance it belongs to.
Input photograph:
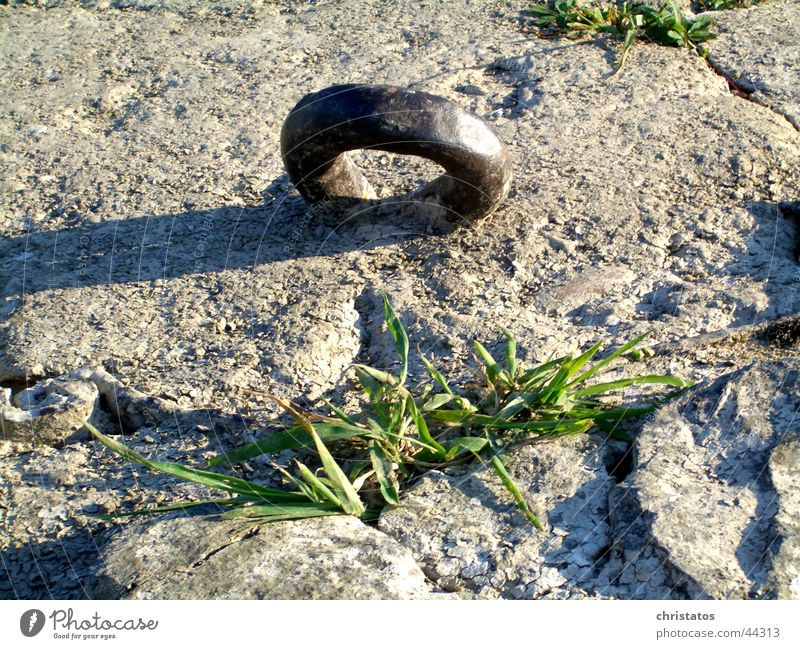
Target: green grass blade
(459, 445)
(422, 427)
(576, 365)
(272, 513)
(539, 374)
(656, 379)
(371, 387)
(628, 412)
(515, 405)
(512, 367)
(172, 508)
(535, 401)
(640, 353)
(436, 375)
(379, 377)
(399, 336)
(490, 422)
(316, 485)
(346, 494)
(436, 402)
(557, 383)
(619, 351)
(455, 416)
(493, 370)
(512, 488)
(397, 412)
(543, 10)
(554, 392)
(291, 438)
(302, 487)
(208, 478)
(630, 36)
(341, 414)
(547, 426)
(384, 473)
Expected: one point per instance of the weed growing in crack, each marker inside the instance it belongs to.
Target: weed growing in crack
(721, 5)
(664, 26)
(400, 433)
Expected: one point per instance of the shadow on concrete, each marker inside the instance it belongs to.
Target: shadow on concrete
(156, 247)
(64, 563)
(770, 257)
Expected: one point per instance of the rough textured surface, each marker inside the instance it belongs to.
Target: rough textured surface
(190, 558)
(758, 48)
(707, 474)
(164, 262)
(786, 560)
(707, 511)
(468, 534)
(48, 412)
(53, 411)
(147, 227)
(50, 535)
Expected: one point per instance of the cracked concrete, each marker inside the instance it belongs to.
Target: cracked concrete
(469, 536)
(149, 230)
(192, 558)
(702, 478)
(757, 48)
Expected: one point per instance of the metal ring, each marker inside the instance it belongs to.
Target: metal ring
(324, 125)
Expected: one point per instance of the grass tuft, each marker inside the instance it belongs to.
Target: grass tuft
(722, 5)
(401, 433)
(664, 26)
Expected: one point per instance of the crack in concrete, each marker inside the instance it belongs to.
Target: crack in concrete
(248, 534)
(773, 338)
(745, 90)
(368, 313)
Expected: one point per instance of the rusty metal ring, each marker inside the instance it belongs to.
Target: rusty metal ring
(324, 125)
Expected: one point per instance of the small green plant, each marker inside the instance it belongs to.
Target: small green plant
(664, 26)
(721, 5)
(400, 434)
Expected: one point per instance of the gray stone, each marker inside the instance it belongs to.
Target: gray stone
(48, 412)
(783, 463)
(757, 47)
(566, 485)
(702, 479)
(129, 407)
(53, 495)
(194, 558)
(470, 89)
(53, 411)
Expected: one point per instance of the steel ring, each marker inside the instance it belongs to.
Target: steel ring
(325, 125)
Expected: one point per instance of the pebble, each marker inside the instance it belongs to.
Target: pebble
(470, 89)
